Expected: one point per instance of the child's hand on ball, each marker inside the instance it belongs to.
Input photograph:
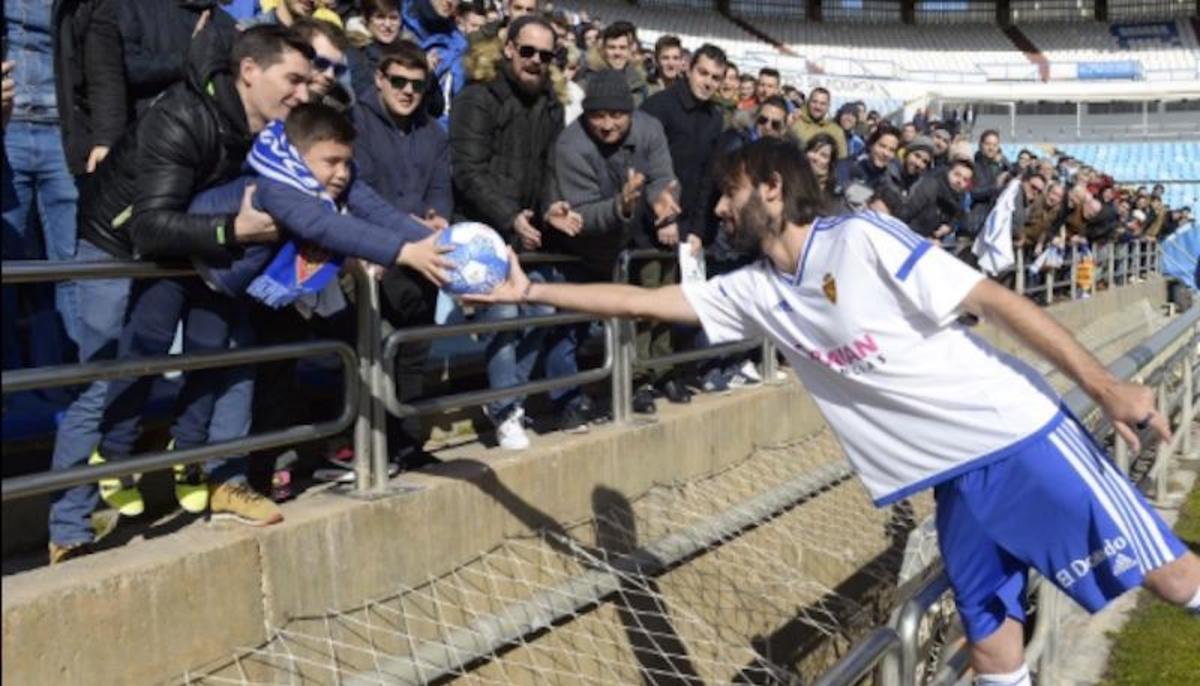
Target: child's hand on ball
(426, 257)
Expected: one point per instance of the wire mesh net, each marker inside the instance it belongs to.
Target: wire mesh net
(649, 590)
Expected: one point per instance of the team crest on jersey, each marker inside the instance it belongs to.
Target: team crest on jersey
(829, 287)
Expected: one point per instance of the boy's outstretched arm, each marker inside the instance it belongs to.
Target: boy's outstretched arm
(1127, 404)
(666, 304)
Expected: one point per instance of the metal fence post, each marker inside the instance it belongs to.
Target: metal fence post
(1162, 465)
(622, 333)
(1074, 270)
(1050, 286)
(1020, 285)
(770, 363)
(378, 405)
(1189, 380)
(1110, 259)
(362, 425)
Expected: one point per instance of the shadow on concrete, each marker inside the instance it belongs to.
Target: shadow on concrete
(661, 654)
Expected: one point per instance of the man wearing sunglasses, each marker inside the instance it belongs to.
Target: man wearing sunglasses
(501, 135)
(330, 84)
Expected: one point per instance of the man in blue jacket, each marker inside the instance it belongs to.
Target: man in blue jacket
(404, 155)
(432, 23)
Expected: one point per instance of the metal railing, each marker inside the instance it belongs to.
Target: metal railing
(87, 372)
(1171, 353)
(1113, 263)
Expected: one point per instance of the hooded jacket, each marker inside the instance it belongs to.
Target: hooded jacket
(89, 77)
(152, 34)
(932, 203)
(422, 181)
(806, 127)
(500, 143)
(196, 136)
(434, 32)
(896, 186)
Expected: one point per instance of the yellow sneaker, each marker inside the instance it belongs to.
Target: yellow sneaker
(236, 500)
(62, 553)
(120, 494)
(191, 486)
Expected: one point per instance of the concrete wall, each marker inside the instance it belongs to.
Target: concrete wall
(152, 610)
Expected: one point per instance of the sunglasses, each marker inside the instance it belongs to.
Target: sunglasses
(528, 51)
(399, 82)
(323, 64)
(775, 124)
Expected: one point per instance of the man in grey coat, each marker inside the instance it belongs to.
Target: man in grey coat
(613, 167)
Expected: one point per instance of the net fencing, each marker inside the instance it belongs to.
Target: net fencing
(763, 573)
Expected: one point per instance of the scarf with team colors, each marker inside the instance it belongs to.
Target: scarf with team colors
(299, 269)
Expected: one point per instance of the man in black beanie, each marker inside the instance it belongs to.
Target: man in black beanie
(613, 167)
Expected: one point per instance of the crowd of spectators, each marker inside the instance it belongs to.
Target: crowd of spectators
(216, 132)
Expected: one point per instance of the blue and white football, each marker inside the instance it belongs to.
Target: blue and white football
(479, 255)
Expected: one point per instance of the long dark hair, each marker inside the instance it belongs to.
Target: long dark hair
(815, 142)
(803, 199)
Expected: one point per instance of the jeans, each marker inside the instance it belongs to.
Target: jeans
(512, 355)
(155, 310)
(99, 327)
(38, 189)
(233, 398)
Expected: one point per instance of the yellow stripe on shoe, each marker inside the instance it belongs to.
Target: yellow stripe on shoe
(122, 496)
(191, 486)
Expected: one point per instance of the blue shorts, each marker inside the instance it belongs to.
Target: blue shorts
(1057, 505)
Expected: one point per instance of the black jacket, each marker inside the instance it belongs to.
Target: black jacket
(156, 34)
(932, 203)
(194, 137)
(693, 128)
(985, 189)
(89, 77)
(500, 143)
(896, 185)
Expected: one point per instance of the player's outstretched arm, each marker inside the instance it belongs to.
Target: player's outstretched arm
(1126, 404)
(602, 299)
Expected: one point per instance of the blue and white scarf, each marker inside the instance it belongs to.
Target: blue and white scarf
(299, 269)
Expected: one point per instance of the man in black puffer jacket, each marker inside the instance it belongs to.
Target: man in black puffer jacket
(194, 137)
(501, 135)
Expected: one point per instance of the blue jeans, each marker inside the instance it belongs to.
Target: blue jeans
(232, 401)
(512, 355)
(98, 329)
(38, 189)
(155, 309)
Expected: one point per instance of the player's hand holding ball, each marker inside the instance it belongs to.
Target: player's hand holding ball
(514, 289)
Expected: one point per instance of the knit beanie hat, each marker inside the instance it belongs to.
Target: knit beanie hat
(608, 90)
(921, 143)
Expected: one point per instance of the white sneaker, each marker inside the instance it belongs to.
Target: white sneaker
(749, 371)
(510, 433)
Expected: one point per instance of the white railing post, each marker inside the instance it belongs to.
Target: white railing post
(1020, 284)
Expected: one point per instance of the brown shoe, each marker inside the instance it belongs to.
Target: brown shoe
(236, 500)
(62, 553)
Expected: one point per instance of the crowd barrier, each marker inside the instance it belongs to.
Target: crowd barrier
(893, 655)
(1114, 264)
(369, 394)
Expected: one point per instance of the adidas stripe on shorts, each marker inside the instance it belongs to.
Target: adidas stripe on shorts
(1058, 505)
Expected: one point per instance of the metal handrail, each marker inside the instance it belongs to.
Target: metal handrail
(63, 375)
(43, 271)
(622, 275)
(864, 658)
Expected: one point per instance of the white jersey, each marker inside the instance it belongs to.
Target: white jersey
(868, 321)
